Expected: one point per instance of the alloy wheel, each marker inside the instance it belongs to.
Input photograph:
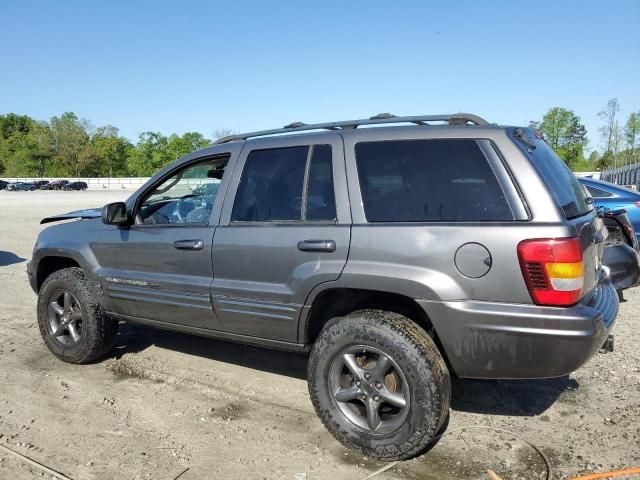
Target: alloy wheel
(369, 389)
(65, 317)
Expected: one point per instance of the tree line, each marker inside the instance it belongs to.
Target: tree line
(67, 146)
(619, 138)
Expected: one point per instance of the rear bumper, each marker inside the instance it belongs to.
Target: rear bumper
(497, 340)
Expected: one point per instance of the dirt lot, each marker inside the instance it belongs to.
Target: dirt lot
(165, 402)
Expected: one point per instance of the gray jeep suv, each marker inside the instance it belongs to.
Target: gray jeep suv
(396, 256)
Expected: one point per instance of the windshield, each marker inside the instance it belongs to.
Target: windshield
(560, 180)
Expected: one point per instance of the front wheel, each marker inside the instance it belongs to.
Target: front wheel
(72, 324)
(379, 384)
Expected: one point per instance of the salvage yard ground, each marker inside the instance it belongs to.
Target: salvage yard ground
(164, 402)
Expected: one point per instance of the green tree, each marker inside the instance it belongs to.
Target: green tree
(149, 155)
(25, 145)
(111, 151)
(70, 138)
(565, 133)
(610, 131)
(632, 136)
(187, 143)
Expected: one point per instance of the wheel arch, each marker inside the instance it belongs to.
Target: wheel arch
(339, 301)
(49, 264)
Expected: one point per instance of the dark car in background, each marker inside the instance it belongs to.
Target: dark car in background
(21, 187)
(614, 197)
(55, 185)
(75, 186)
(3, 184)
(41, 184)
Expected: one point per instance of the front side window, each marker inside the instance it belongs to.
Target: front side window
(428, 180)
(272, 186)
(186, 197)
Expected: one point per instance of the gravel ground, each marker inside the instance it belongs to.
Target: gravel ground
(163, 402)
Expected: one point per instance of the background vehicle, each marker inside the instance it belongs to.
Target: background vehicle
(41, 183)
(75, 186)
(614, 197)
(382, 251)
(621, 250)
(56, 185)
(21, 187)
(3, 184)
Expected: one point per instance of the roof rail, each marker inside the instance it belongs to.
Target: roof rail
(381, 118)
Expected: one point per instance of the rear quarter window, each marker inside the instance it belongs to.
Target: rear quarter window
(443, 180)
(559, 179)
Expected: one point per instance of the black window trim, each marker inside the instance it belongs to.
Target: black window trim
(169, 174)
(303, 221)
(491, 165)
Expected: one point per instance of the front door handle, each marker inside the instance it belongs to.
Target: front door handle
(189, 244)
(317, 246)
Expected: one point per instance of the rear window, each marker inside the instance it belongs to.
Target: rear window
(428, 180)
(562, 183)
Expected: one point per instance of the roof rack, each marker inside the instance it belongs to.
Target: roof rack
(381, 118)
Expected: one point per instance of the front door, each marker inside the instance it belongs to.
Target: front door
(284, 230)
(160, 268)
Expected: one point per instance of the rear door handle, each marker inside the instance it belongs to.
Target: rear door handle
(317, 246)
(189, 244)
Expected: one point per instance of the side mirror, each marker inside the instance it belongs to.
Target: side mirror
(115, 214)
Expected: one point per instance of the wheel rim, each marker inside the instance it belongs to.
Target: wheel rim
(369, 389)
(65, 317)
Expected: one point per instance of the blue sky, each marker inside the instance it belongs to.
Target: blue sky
(199, 65)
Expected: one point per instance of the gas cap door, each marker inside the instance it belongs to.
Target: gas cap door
(473, 260)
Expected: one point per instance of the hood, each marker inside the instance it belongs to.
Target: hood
(83, 214)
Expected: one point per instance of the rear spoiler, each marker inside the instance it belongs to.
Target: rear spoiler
(82, 214)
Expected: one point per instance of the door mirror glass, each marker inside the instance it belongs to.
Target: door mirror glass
(115, 214)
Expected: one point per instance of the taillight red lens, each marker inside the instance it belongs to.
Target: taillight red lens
(552, 269)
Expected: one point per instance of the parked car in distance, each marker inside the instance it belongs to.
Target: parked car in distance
(56, 185)
(621, 250)
(75, 186)
(3, 184)
(614, 197)
(396, 256)
(21, 187)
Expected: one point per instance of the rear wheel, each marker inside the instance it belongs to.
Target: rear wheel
(379, 384)
(72, 324)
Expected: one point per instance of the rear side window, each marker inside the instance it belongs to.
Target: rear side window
(321, 202)
(429, 180)
(564, 186)
(597, 193)
(271, 185)
(286, 184)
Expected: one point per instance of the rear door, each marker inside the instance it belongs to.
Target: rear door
(285, 228)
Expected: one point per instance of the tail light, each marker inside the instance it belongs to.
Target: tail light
(552, 269)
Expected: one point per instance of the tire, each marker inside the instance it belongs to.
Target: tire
(75, 310)
(414, 371)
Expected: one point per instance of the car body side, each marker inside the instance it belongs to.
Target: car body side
(487, 327)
